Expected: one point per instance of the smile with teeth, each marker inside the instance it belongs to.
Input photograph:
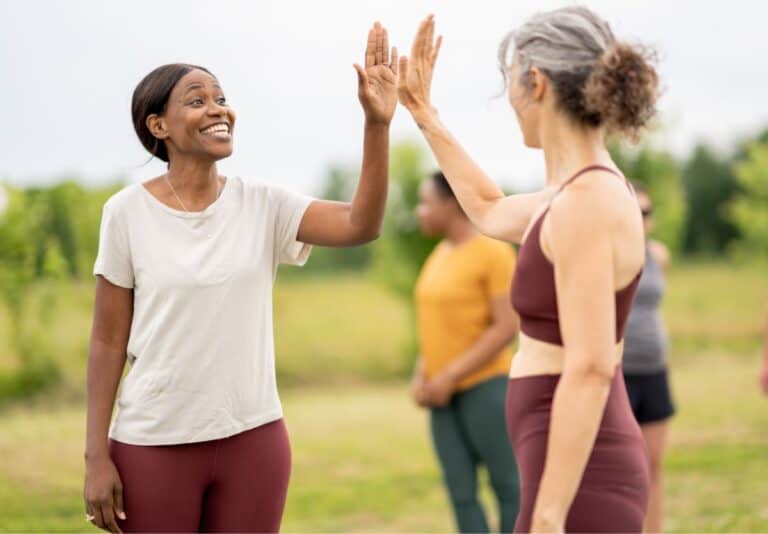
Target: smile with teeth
(217, 130)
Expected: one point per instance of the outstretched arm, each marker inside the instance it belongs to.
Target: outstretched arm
(493, 213)
(352, 223)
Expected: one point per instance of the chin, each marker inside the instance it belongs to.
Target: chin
(221, 154)
(531, 141)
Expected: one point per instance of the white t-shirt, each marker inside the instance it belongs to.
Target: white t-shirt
(201, 347)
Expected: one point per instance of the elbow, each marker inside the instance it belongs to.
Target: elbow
(372, 235)
(598, 370)
(365, 235)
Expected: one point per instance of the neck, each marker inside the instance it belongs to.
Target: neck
(192, 176)
(569, 148)
(459, 230)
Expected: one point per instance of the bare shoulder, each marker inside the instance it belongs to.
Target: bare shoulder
(593, 219)
(596, 201)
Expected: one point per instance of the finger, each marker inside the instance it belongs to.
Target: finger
(403, 70)
(393, 63)
(379, 54)
(119, 505)
(99, 519)
(370, 49)
(108, 516)
(418, 41)
(384, 46)
(436, 51)
(430, 34)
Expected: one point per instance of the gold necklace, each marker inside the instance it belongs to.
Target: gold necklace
(173, 190)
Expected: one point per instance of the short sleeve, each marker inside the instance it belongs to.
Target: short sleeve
(113, 261)
(500, 267)
(290, 209)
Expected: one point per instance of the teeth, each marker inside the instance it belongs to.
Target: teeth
(216, 129)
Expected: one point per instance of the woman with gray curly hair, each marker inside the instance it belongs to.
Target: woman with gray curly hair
(583, 463)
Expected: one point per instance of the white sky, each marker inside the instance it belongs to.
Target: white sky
(68, 69)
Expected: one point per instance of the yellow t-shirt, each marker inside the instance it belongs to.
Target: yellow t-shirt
(453, 295)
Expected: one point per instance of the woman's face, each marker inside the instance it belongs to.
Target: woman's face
(197, 120)
(527, 109)
(646, 207)
(434, 210)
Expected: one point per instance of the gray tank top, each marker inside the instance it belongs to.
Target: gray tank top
(645, 339)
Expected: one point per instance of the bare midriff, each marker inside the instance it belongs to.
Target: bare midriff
(535, 357)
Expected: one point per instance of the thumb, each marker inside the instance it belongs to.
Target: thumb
(403, 65)
(119, 506)
(362, 76)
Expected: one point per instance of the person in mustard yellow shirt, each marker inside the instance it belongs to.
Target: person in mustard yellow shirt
(466, 324)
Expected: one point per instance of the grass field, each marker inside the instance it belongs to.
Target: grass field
(362, 455)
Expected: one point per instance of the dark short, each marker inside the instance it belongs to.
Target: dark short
(650, 396)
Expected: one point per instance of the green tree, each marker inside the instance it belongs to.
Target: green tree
(709, 188)
(748, 211)
(659, 172)
(21, 231)
(402, 249)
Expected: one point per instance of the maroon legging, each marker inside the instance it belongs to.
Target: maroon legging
(237, 483)
(613, 493)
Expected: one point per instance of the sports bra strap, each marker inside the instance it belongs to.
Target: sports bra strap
(587, 169)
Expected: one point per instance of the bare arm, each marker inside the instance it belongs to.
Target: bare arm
(505, 325)
(492, 213)
(337, 224)
(112, 316)
(584, 275)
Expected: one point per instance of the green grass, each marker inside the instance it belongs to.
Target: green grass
(363, 460)
(362, 456)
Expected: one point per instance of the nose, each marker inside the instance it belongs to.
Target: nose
(217, 110)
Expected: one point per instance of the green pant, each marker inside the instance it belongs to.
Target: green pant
(470, 431)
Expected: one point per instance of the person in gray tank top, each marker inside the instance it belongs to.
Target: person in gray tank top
(645, 360)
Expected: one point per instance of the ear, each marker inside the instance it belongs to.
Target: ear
(156, 126)
(539, 84)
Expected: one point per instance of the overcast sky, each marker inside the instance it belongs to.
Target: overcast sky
(68, 69)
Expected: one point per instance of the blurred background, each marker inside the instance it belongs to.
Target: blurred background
(345, 331)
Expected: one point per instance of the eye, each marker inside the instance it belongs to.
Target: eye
(196, 102)
(222, 101)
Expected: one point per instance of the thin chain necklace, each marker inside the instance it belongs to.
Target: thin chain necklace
(173, 190)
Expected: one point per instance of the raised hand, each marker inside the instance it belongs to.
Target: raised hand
(415, 81)
(377, 83)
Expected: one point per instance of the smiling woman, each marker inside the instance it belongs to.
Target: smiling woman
(184, 272)
(151, 98)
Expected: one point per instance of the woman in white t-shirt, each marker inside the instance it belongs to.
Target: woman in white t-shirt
(185, 269)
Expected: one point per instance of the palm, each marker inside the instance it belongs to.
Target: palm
(377, 84)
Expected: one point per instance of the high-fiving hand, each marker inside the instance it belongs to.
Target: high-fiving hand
(377, 82)
(415, 81)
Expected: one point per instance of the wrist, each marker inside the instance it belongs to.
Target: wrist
(96, 454)
(424, 115)
(451, 373)
(549, 518)
(374, 123)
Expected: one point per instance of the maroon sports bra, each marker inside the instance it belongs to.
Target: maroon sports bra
(533, 288)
